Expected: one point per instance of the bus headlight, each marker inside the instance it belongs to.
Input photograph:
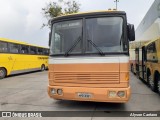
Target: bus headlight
(112, 94)
(53, 91)
(59, 91)
(121, 93)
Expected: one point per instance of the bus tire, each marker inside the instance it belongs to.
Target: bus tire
(3, 73)
(42, 67)
(151, 83)
(158, 85)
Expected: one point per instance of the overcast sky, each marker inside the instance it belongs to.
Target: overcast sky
(22, 19)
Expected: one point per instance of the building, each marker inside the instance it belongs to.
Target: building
(149, 28)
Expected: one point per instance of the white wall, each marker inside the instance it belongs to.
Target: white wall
(152, 32)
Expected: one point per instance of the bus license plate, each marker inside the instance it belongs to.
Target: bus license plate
(84, 95)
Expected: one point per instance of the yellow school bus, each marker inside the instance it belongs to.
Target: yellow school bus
(150, 68)
(89, 57)
(17, 57)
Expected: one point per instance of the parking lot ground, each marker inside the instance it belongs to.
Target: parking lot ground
(28, 92)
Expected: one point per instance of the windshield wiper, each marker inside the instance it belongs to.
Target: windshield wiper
(73, 46)
(98, 49)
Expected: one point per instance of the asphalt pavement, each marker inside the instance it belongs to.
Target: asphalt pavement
(28, 92)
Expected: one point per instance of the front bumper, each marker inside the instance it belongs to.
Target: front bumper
(98, 94)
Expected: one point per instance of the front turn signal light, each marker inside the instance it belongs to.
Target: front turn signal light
(127, 77)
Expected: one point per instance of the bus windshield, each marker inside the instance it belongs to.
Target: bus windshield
(102, 35)
(64, 36)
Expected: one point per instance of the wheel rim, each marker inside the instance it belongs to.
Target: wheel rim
(151, 83)
(43, 67)
(1, 73)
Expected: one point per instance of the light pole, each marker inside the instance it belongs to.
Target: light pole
(116, 1)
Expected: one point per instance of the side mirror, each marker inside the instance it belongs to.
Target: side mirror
(49, 39)
(131, 32)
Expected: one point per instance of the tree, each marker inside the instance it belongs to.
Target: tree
(54, 9)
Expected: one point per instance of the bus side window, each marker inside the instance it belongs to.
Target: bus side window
(33, 50)
(154, 48)
(151, 52)
(40, 51)
(24, 49)
(3, 47)
(57, 42)
(45, 51)
(14, 48)
(151, 48)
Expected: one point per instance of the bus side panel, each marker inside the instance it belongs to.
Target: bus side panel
(25, 63)
(19, 62)
(6, 61)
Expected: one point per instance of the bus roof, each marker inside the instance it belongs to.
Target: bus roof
(102, 11)
(151, 42)
(138, 44)
(90, 13)
(18, 42)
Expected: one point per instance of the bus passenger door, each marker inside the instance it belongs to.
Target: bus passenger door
(144, 74)
(140, 64)
(10, 63)
(14, 50)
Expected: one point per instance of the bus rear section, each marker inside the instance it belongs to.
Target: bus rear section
(89, 57)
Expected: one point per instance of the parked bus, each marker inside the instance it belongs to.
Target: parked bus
(132, 46)
(89, 57)
(133, 54)
(148, 64)
(18, 57)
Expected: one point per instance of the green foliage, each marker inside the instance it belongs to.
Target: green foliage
(54, 9)
(72, 7)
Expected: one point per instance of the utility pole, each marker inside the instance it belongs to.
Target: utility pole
(116, 1)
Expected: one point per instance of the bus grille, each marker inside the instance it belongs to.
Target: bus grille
(85, 78)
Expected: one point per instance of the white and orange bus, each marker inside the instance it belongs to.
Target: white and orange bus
(19, 57)
(89, 57)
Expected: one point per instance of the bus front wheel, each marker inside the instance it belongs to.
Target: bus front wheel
(158, 85)
(42, 67)
(151, 83)
(2, 73)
